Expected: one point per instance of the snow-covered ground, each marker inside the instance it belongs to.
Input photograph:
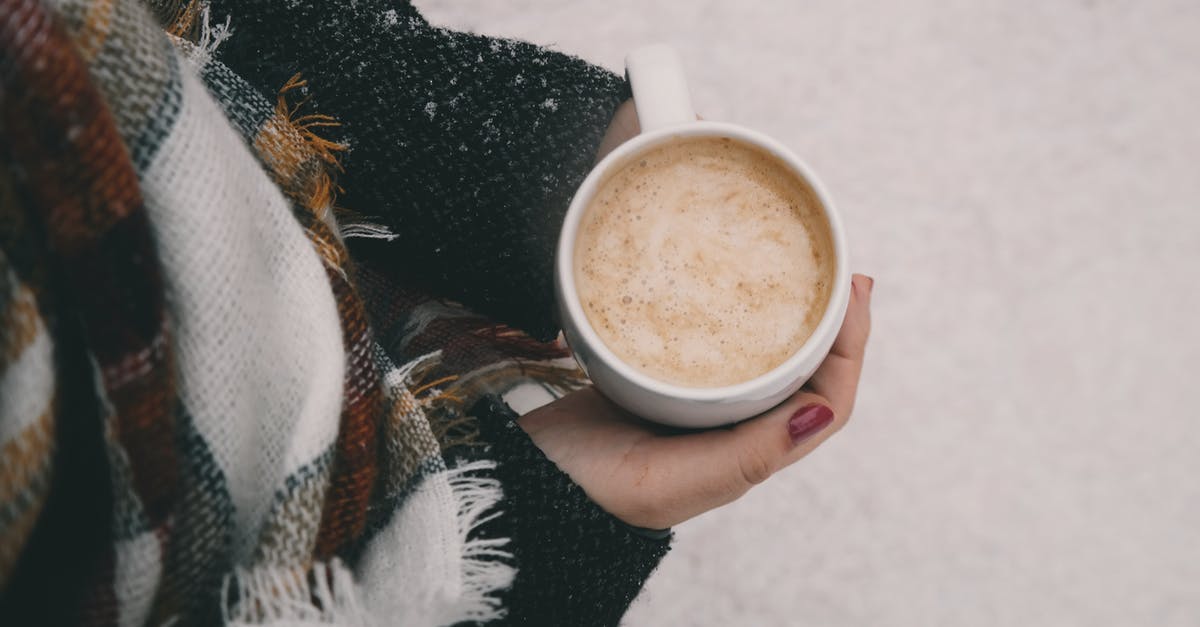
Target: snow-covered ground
(1023, 180)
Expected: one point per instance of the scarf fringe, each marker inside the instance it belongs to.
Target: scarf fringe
(365, 230)
(486, 566)
(212, 35)
(399, 377)
(329, 595)
(279, 595)
(203, 39)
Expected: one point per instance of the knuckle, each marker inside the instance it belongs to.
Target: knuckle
(754, 466)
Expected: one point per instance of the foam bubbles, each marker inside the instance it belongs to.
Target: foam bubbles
(704, 263)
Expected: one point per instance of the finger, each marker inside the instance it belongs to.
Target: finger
(780, 437)
(837, 377)
(851, 341)
(701, 471)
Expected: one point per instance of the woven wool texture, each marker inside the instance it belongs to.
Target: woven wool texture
(233, 456)
(199, 422)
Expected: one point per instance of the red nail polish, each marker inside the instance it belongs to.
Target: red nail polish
(808, 421)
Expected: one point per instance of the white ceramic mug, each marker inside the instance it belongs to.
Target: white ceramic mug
(665, 114)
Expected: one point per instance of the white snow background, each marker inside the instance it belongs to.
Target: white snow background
(1023, 181)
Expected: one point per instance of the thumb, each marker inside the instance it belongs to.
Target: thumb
(768, 443)
(731, 461)
(721, 465)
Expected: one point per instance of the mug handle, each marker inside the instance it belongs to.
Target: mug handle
(660, 91)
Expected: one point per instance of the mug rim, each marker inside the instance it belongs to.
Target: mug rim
(775, 378)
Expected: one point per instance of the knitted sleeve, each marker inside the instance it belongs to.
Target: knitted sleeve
(576, 563)
(466, 148)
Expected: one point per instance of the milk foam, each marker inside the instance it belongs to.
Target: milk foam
(704, 262)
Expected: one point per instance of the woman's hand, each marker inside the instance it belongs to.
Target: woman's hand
(653, 476)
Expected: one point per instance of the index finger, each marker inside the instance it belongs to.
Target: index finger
(837, 377)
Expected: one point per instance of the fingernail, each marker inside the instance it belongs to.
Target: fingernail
(808, 421)
(870, 284)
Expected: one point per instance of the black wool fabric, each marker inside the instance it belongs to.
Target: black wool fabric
(576, 564)
(468, 148)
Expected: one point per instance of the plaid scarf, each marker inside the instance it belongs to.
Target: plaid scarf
(197, 422)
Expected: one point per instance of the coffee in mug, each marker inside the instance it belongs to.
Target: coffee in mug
(704, 262)
(701, 273)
